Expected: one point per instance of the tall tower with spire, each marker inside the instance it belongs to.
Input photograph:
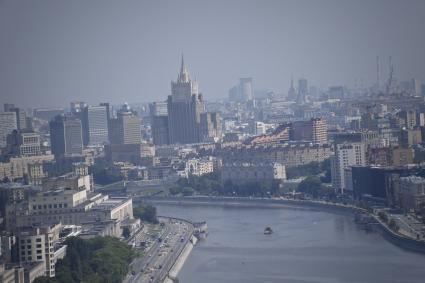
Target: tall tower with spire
(185, 106)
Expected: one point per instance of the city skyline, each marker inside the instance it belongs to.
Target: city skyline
(268, 43)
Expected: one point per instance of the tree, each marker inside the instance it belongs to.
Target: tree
(146, 213)
(102, 173)
(383, 216)
(311, 186)
(101, 259)
(393, 225)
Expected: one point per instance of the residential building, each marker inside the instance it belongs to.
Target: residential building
(409, 137)
(289, 154)
(240, 173)
(199, 167)
(314, 130)
(22, 143)
(346, 155)
(8, 123)
(40, 244)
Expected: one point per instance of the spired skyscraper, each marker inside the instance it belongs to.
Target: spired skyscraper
(185, 106)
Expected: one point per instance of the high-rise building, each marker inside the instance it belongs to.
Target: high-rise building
(21, 117)
(245, 89)
(126, 129)
(185, 106)
(40, 244)
(243, 92)
(95, 125)
(210, 126)
(108, 117)
(77, 106)
(234, 94)
(47, 114)
(21, 143)
(7, 107)
(158, 108)
(160, 130)
(292, 95)
(336, 92)
(302, 91)
(8, 123)
(159, 121)
(66, 136)
(314, 130)
(346, 155)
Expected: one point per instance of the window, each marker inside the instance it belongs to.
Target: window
(39, 257)
(38, 246)
(38, 240)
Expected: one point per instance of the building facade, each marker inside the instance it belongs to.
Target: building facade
(244, 172)
(8, 123)
(346, 155)
(66, 136)
(185, 106)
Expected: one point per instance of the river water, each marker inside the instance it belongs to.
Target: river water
(306, 246)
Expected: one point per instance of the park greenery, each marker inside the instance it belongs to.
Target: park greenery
(311, 169)
(146, 213)
(210, 184)
(313, 187)
(97, 260)
(102, 173)
(392, 224)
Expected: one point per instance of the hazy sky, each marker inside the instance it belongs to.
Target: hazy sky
(52, 51)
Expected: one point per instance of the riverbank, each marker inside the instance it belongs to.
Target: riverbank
(177, 261)
(256, 202)
(178, 265)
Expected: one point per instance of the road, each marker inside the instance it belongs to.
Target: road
(161, 256)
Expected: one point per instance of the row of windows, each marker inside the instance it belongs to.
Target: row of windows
(45, 206)
(39, 257)
(38, 240)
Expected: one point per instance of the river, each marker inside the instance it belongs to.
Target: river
(306, 246)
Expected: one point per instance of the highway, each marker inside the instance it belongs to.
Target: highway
(162, 254)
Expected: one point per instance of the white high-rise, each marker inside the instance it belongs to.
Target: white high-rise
(346, 155)
(8, 123)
